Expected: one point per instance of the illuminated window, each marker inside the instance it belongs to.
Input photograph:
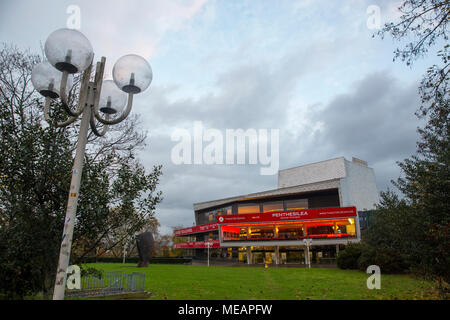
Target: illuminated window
(248, 208)
(321, 230)
(262, 233)
(273, 206)
(230, 233)
(346, 228)
(244, 234)
(289, 232)
(226, 210)
(296, 204)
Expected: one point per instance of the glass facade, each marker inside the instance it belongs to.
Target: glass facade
(327, 199)
(254, 233)
(317, 229)
(297, 204)
(273, 206)
(290, 232)
(346, 228)
(211, 216)
(244, 208)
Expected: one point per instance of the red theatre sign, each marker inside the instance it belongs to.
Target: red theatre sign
(196, 229)
(326, 213)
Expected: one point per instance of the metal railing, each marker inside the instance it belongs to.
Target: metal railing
(109, 282)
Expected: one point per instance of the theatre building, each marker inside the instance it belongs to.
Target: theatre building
(314, 213)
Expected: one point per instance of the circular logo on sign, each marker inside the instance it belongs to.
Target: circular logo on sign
(221, 219)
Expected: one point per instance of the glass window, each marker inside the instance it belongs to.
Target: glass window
(230, 233)
(248, 208)
(261, 232)
(226, 210)
(297, 204)
(293, 257)
(289, 232)
(320, 230)
(346, 228)
(244, 234)
(273, 206)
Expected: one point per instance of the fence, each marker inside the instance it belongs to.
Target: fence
(109, 282)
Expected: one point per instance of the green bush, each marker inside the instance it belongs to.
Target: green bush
(389, 260)
(348, 258)
(361, 255)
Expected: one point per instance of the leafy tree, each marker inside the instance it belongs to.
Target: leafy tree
(424, 24)
(417, 226)
(426, 186)
(35, 173)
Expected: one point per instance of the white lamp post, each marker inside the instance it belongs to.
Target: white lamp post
(307, 245)
(208, 244)
(68, 52)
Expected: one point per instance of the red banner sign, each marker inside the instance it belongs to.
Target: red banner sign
(289, 215)
(197, 244)
(196, 229)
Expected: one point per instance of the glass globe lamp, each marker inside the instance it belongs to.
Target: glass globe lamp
(47, 80)
(132, 74)
(69, 50)
(112, 99)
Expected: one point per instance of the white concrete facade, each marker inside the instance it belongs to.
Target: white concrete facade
(359, 187)
(357, 184)
(312, 173)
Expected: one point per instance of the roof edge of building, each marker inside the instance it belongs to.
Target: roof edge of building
(278, 191)
(312, 163)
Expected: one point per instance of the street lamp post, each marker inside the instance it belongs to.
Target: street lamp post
(124, 252)
(307, 246)
(105, 101)
(208, 243)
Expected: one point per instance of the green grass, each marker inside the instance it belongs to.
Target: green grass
(246, 283)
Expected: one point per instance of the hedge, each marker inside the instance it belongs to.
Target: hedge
(360, 256)
(389, 260)
(348, 258)
(155, 260)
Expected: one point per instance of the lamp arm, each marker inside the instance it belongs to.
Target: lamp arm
(121, 118)
(94, 127)
(49, 120)
(83, 92)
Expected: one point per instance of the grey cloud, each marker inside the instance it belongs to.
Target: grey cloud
(251, 95)
(374, 122)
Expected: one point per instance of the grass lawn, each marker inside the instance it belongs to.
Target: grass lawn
(245, 283)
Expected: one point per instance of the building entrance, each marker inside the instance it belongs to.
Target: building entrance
(262, 255)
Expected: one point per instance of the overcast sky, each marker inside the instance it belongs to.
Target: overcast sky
(308, 68)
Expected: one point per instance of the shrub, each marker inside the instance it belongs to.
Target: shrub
(348, 258)
(389, 260)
